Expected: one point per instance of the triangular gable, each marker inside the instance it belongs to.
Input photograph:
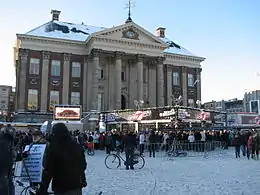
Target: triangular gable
(122, 32)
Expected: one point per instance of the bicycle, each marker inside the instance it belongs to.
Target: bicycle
(117, 160)
(28, 189)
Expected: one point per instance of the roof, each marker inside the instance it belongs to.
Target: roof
(80, 32)
(175, 48)
(64, 30)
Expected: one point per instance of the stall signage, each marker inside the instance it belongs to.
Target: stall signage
(167, 113)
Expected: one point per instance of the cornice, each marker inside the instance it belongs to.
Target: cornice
(49, 40)
(184, 57)
(127, 42)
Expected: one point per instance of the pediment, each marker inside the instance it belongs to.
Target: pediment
(131, 32)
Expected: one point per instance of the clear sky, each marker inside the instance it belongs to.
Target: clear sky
(226, 32)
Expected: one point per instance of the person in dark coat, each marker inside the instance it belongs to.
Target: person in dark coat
(6, 163)
(236, 142)
(129, 141)
(65, 164)
(108, 142)
(152, 143)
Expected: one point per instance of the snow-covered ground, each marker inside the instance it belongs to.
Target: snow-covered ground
(215, 175)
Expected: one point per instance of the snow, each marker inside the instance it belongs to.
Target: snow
(175, 48)
(49, 30)
(218, 174)
(80, 32)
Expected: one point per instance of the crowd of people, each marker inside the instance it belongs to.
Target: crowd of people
(64, 158)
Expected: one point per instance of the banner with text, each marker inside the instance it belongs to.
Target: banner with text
(32, 167)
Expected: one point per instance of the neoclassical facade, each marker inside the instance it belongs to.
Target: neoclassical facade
(102, 69)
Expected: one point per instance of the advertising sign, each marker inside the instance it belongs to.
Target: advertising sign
(67, 113)
(248, 119)
(194, 114)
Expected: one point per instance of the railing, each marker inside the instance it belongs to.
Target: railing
(182, 148)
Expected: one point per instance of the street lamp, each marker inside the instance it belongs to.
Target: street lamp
(198, 103)
(138, 103)
(178, 100)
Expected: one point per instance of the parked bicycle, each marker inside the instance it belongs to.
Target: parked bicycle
(114, 160)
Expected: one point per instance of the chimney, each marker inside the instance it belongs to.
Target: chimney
(55, 15)
(160, 32)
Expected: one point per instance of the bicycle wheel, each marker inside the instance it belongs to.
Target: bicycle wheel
(112, 161)
(139, 161)
(91, 152)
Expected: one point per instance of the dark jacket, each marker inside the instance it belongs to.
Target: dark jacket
(236, 142)
(129, 141)
(6, 162)
(65, 164)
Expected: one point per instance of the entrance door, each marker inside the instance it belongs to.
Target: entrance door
(123, 102)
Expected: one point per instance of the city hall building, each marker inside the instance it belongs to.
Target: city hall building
(102, 68)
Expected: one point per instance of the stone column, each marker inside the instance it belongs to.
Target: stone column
(184, 86)
(160, 82)
(169, 86)
(66, 79)
(111, 84)
(118, 81)
(198, 84)
(140, 81)
(22, 75)
(45, 80)
(86, 83)
(152, 84)
(95, 65)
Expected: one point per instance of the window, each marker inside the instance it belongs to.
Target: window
(54, 99)
(190, 80)
(34, 66)
(75, 98)
(55, 68)
(144, 75)
(75, 69)
(32, 102)
(123, 76)
(100, 101)
(191, 102)
(176, 78)
(101, 76)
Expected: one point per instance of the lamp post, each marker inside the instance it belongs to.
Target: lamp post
(178, 101)
(138, 103)
(198, 103)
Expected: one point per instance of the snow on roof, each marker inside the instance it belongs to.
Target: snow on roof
(175, 48)
(64, 30)
(80, 32)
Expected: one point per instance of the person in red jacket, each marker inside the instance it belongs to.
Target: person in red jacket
(249, 145)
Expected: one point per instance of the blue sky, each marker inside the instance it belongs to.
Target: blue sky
(226, 32)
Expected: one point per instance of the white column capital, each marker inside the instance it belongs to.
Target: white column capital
(140, 57)
(66, 56)
(23, 53)
(45, 55)
(96, 52)
(160, 60)
(118, 55)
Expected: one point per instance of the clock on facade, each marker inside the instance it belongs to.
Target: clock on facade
(130, 34)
